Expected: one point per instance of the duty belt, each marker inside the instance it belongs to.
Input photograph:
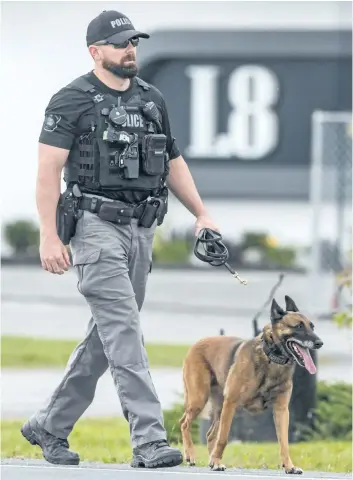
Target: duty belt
(119, 212)
(112, 211)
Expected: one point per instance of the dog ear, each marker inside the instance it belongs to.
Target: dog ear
(290, 305)
(276, 312)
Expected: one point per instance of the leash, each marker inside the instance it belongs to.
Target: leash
(214, 251)
(274, 288)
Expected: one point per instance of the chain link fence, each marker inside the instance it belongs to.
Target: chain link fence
(331, 203)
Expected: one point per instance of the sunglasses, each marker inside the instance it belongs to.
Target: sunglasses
(134, 42)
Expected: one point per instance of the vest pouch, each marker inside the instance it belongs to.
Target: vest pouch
(125, 161)
(154, 153)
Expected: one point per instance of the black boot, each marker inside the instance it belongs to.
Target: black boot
(55, 450)
(156, 454)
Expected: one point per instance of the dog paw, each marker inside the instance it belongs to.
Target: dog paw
(217, 467)
(293, 471)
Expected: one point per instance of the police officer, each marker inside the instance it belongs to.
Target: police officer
(110, 132)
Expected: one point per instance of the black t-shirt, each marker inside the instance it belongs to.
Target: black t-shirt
(70, 113)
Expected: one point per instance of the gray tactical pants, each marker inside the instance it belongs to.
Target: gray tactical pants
(112, 263)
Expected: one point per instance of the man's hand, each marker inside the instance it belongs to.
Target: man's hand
(204, 221)
(54, 255)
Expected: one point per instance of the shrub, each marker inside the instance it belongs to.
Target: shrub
(280, 256)
(22, 236)
(333, 414)
(172, 249)
(344, 318)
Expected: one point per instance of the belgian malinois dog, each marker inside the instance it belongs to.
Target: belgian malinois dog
(253, 374)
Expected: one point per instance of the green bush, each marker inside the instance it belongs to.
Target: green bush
(22, 236)
(333, 414)
(254, 239)
(174, 248)
(171, 252)
(344, 318)
(280, 256)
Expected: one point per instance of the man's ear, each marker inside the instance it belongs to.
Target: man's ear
(276, 312)
(290, 305)
(94, 52)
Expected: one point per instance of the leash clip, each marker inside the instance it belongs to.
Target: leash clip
(236, 275)
(215, 252)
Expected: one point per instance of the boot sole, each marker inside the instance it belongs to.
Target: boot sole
(30, 436)
(171, 460)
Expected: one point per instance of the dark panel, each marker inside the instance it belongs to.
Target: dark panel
(186, 44)
(248, 133)
(304, 86)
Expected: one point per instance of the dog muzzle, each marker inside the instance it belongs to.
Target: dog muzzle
(300, 351)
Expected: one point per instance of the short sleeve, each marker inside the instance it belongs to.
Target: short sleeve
(61, 117)
(172, 147)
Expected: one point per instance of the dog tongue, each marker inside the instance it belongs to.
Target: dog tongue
(308, 361)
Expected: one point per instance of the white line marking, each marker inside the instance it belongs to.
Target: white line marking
(155, 471)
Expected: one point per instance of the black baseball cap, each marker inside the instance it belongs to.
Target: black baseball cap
(112, 26)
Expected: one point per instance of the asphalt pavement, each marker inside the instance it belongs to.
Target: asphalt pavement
(209, 289)
(40, 383)
(40, 470)
(40, 304)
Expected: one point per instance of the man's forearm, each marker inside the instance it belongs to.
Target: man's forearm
(47, 196)
(182, 185)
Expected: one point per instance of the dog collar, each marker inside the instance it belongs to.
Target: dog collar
(274, 353)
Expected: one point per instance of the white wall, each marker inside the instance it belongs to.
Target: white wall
(43, 48)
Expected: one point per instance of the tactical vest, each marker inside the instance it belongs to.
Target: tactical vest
(112, 156)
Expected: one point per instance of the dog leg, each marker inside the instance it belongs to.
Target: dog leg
(212, 435)
(281, 420)
(197, 390)
(216, 403)
(189, 416)
(223, 433)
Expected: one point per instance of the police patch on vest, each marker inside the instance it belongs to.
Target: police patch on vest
(134, 120)
(51, 122)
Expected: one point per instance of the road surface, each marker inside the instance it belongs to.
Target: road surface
(39, 470)
(40, 383)
(39, 304)
(210, 289)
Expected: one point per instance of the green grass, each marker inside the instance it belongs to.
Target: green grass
(107, 440)
(27, 352)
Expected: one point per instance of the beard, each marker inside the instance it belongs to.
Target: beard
(121, 70)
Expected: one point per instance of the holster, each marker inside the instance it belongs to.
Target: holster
(66, 216)
(155, 208)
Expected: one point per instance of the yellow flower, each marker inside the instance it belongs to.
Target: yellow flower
(271, 242)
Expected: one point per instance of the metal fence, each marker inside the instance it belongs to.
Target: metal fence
(331, 203)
